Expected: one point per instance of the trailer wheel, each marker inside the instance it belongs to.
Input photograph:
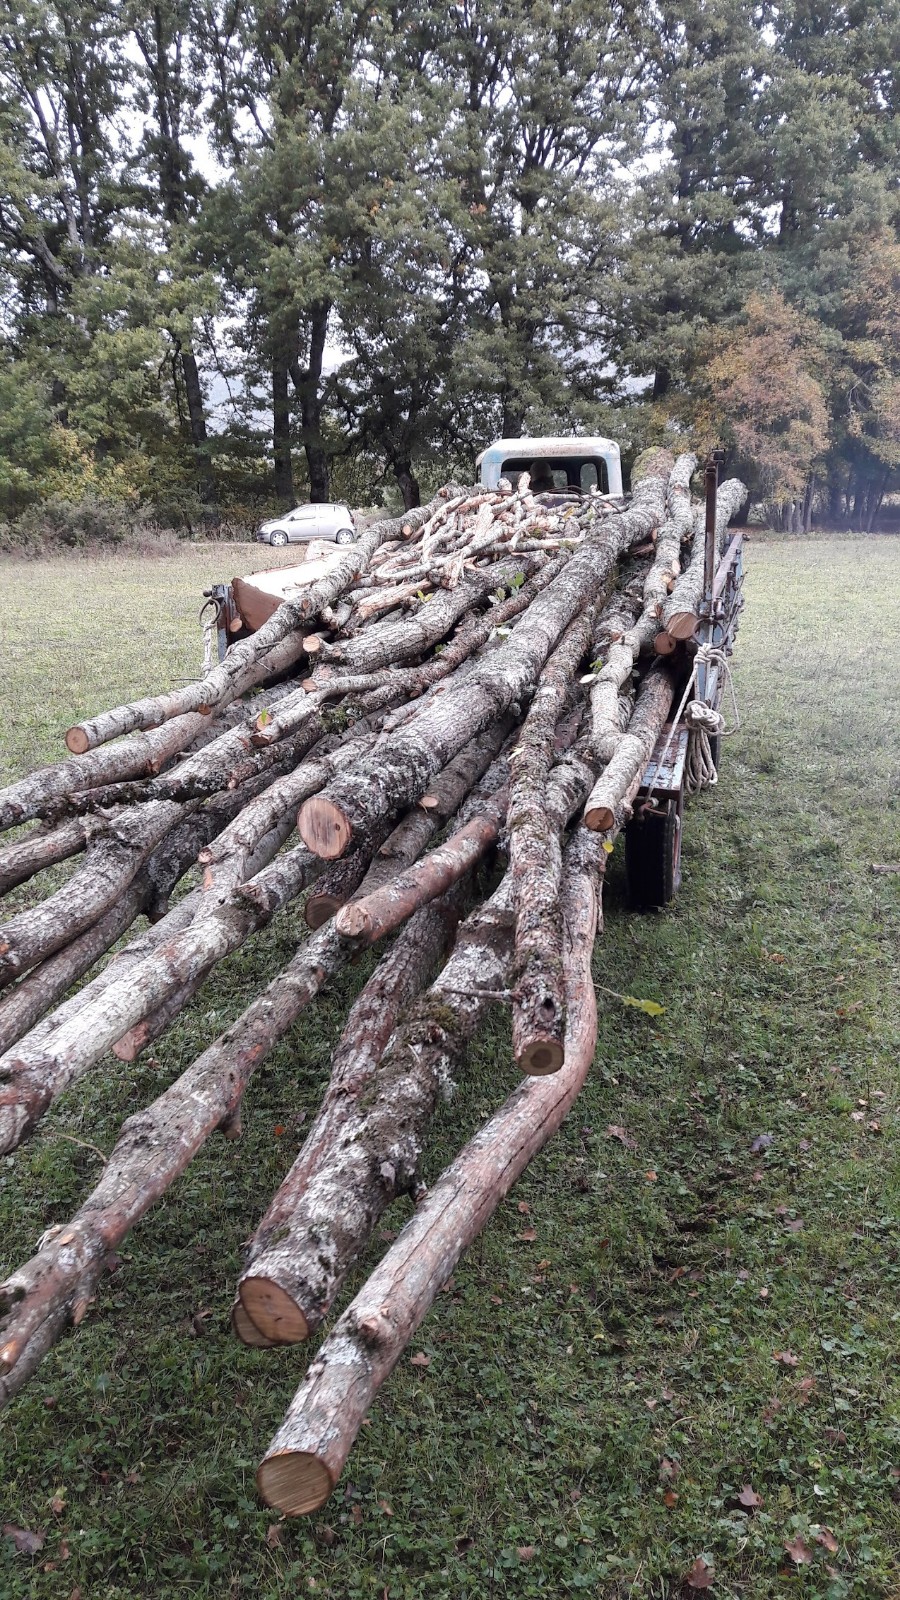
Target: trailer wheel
(653, 857)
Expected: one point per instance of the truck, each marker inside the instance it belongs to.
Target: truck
(567, 468)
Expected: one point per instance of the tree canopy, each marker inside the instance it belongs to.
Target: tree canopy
(260, 252)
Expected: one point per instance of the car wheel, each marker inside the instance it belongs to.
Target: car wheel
(278, 539)
(344, 536)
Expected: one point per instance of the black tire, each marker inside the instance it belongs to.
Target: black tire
(278, 539)
(653, 857)
(344, 536)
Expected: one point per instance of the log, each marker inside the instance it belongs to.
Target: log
(535, 864)
(681, 611)
(154, 1147)
(304, 1461)
(651, 709)
(368, 1148)
(270, 1311)
(85, 736)
(32, 1077)
(43, 848)
(412, 636)
(113, 858)
(250, 660)
(366, 920)
(399, 774)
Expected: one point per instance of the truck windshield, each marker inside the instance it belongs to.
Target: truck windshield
(569, 474)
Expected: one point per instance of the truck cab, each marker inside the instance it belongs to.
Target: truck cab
(578, 465)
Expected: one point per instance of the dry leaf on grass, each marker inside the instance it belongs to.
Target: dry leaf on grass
(700, 1575)
(799, 1551)
(26, 1543)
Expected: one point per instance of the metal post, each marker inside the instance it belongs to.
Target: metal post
(711, 477)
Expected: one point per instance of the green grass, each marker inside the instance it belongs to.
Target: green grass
(638, 1327)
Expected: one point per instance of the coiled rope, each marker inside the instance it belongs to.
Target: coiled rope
(703, 723)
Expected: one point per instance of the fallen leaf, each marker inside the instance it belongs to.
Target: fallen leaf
(420, 1359)
(826, 1539)
(670, 1498)
(26, 1543)
(356, 1514)
(669, 1470)
(761, 1142)
(806, 1387)
(615, 1132)
(526, 1552)
(770, 1410)
(383, 1504)
(763, 1294)
(795, 1225)
(278, 1129)
(651, 1404)
(786, 1358)
(799, 1551)
(574, 1496)
(835, 1436)
(57, 1505)
(327, 1534)
(749, 1499)
(700, 1575)
(523, 1207)
(650, 1177)
(273, 1535)
(528, 1237)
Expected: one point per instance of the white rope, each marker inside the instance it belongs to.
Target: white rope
(702, 721)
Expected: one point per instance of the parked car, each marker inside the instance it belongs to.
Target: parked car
(308, 522)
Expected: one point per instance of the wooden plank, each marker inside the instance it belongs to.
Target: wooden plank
(666, 776)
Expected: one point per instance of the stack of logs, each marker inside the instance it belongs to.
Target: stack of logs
(482, 678)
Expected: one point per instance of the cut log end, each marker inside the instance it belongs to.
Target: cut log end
(77, 741)
(319, 907)
(272, 1311)
(541, 1058)
(599, 818)
(682, 625)
(664, 644)
(247, 1331)
(295, 1482)
(323, 828)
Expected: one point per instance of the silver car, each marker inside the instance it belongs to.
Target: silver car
(308, 522)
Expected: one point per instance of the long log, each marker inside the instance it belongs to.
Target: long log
(43, 848)
(636, 746)
(154, 1147)
(681, 612)
(366, 920)
(395, 983)
(304, 1461)
(390, 642)
(32, 1077)
(535, 864)
(246, 661)
(399, 775)
(112, 860)
(327, 1208)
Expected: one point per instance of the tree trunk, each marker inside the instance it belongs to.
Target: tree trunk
(305, 1459)
(408, 483)
(197, 418)
(281, 434)
(307, 387)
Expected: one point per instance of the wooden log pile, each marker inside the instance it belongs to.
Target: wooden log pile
(435, 743)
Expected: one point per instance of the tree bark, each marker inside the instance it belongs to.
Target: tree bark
(250, 660)
(43, 848)
(281, 434)
(112, 860)
(31, 1078)
(400, 774)
(368, 1150)
(634, 750)
(681, 612)
(305, 1459)
(535, 865)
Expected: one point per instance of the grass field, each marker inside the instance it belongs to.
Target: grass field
(641, 1332)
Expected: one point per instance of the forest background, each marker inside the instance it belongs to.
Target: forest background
(256, 252)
